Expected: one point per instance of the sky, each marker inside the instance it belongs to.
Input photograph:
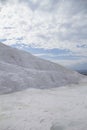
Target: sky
(52, 29)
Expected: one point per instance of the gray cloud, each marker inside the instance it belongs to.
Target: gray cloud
(46, 5)
(79, 6)
(54, 21)
(73, 6)
(46, 24)
(33, 5)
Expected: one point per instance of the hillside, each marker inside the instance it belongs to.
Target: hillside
(20, 70)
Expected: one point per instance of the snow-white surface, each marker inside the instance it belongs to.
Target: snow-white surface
(51, 108)
(20, 70)
(63, 108)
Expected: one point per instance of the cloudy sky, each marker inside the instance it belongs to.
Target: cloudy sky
(52, 29)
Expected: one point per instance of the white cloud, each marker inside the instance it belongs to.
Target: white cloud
(45, 24)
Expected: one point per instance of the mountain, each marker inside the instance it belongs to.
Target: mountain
(20, 70)
(84, 72)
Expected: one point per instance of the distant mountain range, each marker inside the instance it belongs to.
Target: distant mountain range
(84, 72)
(20, 70)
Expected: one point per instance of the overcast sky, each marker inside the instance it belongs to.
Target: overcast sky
(47, 24)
